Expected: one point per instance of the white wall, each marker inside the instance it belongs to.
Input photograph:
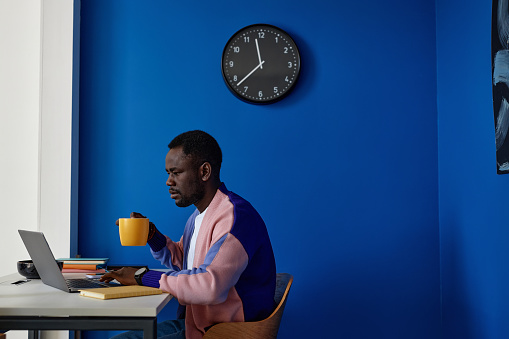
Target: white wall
(20, 68)
(36, 60)
(56, 124)
(35, 124)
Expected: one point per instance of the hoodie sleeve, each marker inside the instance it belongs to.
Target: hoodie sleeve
(170, 253)
(210, 283)
(166, 251)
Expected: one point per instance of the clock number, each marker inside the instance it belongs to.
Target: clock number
(286, 50)
(277, 39)
(290, 65)
(236, 49)
(245, 89)
(286, 79)
(246, 39)
(231, 64)
(261, 35)
(235, 78)
(275, 89)
(260, 94)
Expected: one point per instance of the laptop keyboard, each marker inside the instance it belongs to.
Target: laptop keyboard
(85, 283)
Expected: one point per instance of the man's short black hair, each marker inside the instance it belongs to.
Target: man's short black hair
(202, 147)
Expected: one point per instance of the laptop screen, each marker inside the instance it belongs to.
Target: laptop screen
(43, 259)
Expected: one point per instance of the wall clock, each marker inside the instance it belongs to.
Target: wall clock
(260, 64)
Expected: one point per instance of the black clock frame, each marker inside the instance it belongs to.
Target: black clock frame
(274, 98)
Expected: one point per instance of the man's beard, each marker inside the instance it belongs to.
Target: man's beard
(189, 200)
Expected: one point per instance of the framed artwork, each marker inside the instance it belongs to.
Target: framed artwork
(500, 69)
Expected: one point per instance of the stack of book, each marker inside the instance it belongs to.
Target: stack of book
(83, 264)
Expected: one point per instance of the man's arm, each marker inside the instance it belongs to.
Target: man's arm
(210, 283)
(169, 253)
(166, 251)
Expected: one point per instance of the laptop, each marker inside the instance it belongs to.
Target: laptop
(47, 267)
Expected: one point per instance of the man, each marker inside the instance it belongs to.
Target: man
(223, 267)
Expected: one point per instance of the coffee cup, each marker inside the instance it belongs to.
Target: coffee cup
(133, 231)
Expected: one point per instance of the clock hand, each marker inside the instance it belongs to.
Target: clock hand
(247, 76)
(259, 57)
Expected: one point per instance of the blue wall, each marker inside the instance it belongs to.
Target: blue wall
(344, 170)
(473, 198)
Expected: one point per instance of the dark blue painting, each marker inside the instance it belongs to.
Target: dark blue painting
(500, 67)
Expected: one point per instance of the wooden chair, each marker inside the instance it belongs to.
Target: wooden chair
(263, 329)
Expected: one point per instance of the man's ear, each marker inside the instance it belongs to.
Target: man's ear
(205, 171)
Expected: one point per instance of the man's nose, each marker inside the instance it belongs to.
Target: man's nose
(170, 181)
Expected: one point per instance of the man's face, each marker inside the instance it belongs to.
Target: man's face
(186, 186)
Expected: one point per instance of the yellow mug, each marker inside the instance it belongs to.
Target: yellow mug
(133, 231)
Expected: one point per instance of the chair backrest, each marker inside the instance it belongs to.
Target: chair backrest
(263, 329)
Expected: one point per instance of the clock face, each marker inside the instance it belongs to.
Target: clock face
(260, 64)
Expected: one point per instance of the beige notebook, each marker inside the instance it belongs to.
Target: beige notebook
(120, 292)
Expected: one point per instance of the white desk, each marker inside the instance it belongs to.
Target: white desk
(34, 306)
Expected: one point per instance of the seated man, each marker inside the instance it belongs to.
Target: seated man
(223, 267)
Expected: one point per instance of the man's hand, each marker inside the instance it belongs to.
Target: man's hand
(133, 215)
(125, 276)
